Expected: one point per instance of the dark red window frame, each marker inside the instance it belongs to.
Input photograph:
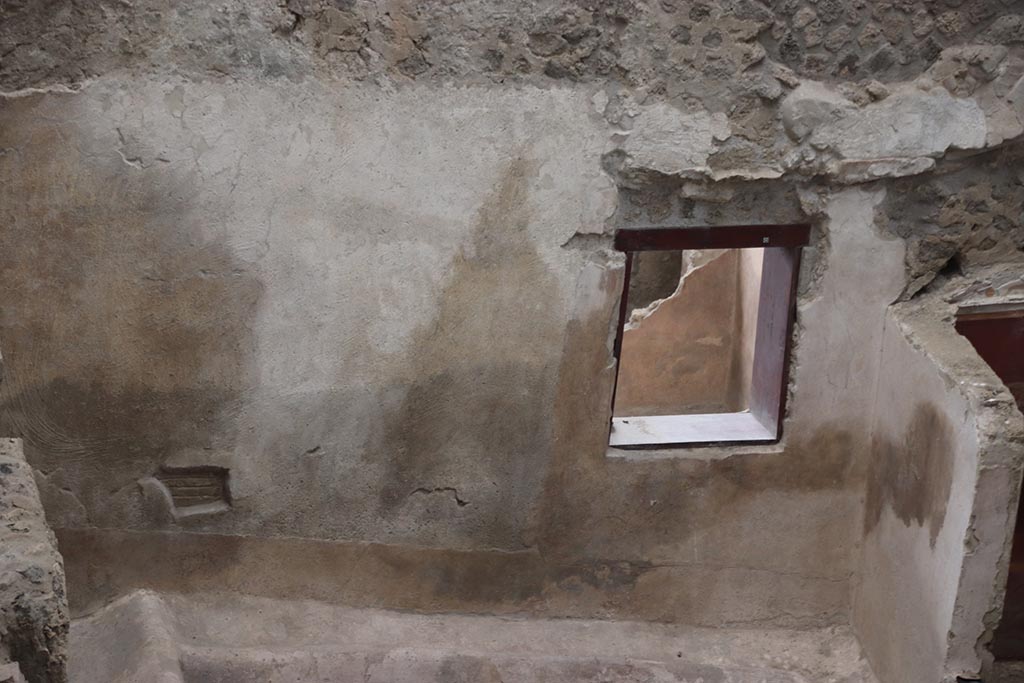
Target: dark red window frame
(776, 310)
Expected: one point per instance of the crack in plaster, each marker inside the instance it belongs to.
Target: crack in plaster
(441, 489)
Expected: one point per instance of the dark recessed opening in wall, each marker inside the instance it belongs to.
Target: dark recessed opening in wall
(702, 344)
(997, 333)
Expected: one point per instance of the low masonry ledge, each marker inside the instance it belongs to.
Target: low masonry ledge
(33, 603)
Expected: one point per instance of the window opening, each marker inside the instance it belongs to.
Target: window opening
(703, 335)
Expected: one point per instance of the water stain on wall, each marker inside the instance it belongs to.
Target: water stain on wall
(622, 530)
(913, 476)
(475, 411)
(125, 326)
(645, 511)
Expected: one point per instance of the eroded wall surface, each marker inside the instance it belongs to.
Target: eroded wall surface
(359, 257)
(33, 601)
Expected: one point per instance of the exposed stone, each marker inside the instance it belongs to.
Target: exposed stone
(681, 34)
(877, 90)
(870, 36)
(814, 34)
(1008, 29)
(804, 16)
(670, 141)
(909, 123)
(33, 604)
(547, 44)
(894, 26)
(837, 38)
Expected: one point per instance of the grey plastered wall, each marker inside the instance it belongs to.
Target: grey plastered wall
(343, 307)
(367, 314)
(359, 257)
(942, 491)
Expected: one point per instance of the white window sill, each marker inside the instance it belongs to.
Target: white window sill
(660, 430)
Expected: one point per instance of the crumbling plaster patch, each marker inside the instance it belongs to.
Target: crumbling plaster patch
(914, 123)
(729, 59)
(907, 124)
(903, 134)
(968, 100)
(666, 140)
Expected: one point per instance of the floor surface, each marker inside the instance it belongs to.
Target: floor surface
(229, 638)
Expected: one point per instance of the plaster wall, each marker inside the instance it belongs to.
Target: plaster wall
(359, 257)
(919, 503)
(271, 280)
(941, 501)
(199, 275)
